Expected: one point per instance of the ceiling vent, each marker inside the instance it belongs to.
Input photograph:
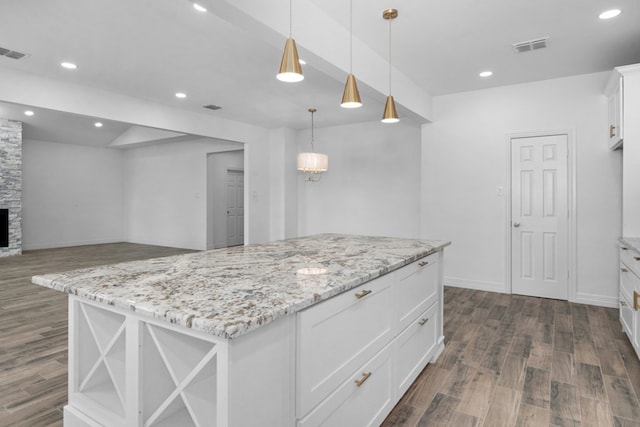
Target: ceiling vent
(531, 45)
(211, 107)
(12, 53)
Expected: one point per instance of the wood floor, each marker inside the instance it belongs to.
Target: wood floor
(509, 360)
(521, 361)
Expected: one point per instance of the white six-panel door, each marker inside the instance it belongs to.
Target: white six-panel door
(235, 207)
(539, 216)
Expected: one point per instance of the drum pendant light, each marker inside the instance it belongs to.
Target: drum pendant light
(390, 115)
(351, 96)
(313, 164)
(290, 69)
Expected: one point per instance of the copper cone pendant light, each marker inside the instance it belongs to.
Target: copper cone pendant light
(390, 115)
(351, 96)
(290, 69)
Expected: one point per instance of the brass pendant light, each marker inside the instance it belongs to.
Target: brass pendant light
(351, 96)
(390, 115)
(290, 69)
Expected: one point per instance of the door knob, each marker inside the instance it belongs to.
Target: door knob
(516, 224)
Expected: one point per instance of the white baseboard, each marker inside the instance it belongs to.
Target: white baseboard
(476, 284)
(50, 245)
(600, 300)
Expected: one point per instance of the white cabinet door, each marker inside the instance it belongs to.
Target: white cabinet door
(416, 289)
(615, 116)
(338, 336)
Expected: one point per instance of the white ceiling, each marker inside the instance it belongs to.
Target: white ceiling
(153, 48)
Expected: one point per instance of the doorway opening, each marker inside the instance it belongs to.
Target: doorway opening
(225, 199)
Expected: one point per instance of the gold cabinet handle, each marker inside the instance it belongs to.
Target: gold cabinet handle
(636, 303)
(624, 270)
(623, 303)
(423, 263)
(637, 258)
(365, 376)
(612, 131)
(363, 294)
(423, 321)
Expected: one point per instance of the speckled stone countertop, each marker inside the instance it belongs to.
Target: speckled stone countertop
(228, 292)
(631, 242)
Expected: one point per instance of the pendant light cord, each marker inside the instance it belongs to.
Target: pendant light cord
(312, 140)
(290, 18)
(350, 36)
(390, 56)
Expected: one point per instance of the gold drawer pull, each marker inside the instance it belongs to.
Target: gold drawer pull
(365, 376)
(624, 270)
(423, 321)
(363, 294)
(623, 303)
(612, 131)
(423, 263)
(636, 303)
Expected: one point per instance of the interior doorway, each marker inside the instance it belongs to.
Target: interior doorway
(225, 199)
(540, 216)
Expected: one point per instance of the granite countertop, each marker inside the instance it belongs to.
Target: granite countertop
(228, 292)
(631, 242)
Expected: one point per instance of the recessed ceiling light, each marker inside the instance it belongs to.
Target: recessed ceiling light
(29, 113)
(199, 8)
(486, 73)
(609, 14)
(68, 65)
(302, 62)
(181, 95)
(98, 124)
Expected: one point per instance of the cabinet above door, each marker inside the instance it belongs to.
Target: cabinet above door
(615, 94)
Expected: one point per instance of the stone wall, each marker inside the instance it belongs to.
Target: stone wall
(11, 182)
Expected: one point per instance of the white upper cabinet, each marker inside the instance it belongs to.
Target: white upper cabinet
(615, 93)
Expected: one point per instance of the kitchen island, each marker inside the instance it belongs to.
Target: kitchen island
(324, 329)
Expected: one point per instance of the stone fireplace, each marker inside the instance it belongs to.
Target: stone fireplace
(11, 187)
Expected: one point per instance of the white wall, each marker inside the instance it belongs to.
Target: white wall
(217, 166)
(72, 195)
(373, 183)
(166, 194)
(464, 161)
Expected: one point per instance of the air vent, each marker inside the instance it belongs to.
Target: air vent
(211, 107)
(12, 53)
(530, 45)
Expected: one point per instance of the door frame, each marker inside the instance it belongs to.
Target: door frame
(571, 206)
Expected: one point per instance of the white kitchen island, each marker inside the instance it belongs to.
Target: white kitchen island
(320, 330)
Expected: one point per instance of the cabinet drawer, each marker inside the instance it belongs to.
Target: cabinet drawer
(414, 348)
(629, 282)
(626, 316)
(631, 258)
(339, 335)
(416, 289)
(358, 405)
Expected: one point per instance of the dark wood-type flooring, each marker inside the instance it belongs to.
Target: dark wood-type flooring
(514, 360)
(510, 360)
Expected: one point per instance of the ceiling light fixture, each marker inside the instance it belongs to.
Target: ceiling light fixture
(313, 164)
(351, 96)
(486, 73)
(68, 65)
(181, 95)
(609, 14)
(98, 124)
(29, 113)
(199, 8)
(290, 70)
(390, 115)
